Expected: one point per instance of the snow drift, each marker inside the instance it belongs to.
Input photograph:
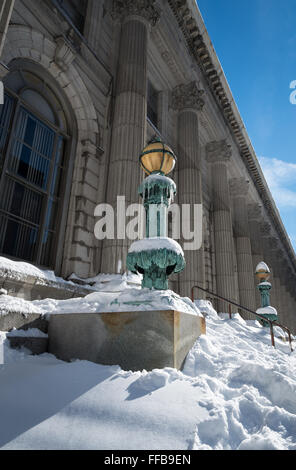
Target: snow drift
(235, 392)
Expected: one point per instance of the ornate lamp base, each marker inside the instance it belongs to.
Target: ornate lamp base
(155, 265)
(266, 310)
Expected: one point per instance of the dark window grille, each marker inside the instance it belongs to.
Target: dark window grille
(152, 104)
(31, 172)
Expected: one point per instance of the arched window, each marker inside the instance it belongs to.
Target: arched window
(33, 136)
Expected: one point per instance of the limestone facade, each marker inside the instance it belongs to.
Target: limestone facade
(102, 71)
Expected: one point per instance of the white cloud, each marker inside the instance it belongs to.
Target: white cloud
(281, 179)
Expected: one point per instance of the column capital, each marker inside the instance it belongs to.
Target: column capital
(146, 9)
(254, 211)
(218, 151)
(187, 96)
(239, 186)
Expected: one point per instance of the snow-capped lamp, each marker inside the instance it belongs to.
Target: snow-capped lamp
(264, 287)
(156, 256)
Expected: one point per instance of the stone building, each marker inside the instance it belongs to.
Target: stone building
(87, 83)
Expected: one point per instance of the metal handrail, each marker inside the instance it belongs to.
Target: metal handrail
(230, 302)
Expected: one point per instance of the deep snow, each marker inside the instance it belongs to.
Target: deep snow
(235, 392)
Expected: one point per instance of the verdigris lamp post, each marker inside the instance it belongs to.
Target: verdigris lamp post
(264, 287)
(157, 327)
(156, 256)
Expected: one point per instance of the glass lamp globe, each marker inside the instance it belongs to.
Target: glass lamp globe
(262, 272)
(157, 157)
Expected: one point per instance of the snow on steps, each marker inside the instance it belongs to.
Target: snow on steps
(27, 281)
(235, 392)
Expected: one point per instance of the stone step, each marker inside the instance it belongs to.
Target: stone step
(34, 340)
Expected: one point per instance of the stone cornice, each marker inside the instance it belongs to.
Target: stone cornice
(239, 187)
(191, 24)
(143, 8)
(254, 211)
(218, 151)
(187, 96)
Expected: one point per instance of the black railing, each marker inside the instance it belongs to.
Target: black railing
(262, 317)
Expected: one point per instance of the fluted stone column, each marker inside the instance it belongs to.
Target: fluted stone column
(287, 292)
(285, 317)
(218, 155)
(287, 279)
(255, 217)
(291, 290)
(284, 307)
(265, 230)
(277, 281)
(129, 124)
(92, 25)
(6, 8)
(293, 303)
(239, 188)
(291, 324)
(273, 247)
(293, 294)
(187, 100)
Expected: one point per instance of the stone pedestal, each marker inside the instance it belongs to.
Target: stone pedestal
(133, 340)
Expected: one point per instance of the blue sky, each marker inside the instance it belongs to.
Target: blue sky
(255, 41)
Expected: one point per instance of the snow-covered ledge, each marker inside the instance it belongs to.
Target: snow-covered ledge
(29, 282)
